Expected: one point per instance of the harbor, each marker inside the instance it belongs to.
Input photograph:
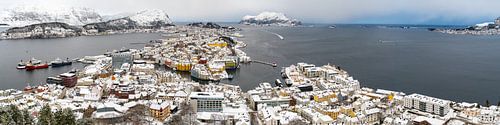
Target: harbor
(151, 76)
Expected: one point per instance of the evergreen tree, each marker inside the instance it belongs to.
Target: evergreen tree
(5, 118)
(46, 117)
(68, 117)
(58, 118)
(16, 115)
(487, 103)
(28, 120)
(84, 121)
(498, 103)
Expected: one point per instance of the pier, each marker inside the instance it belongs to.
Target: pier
(265, 63)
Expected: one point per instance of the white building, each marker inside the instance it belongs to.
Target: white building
(427, 104)
(206, 101)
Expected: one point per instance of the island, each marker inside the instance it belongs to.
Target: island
(487, 28)
(270, 19)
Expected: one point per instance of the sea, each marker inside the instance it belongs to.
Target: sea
(406, 58)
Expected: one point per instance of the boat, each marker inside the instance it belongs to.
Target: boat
(288, 82)
(274, 64)
(21, 65)
(35, 61)
(28, 88)
(58, 63)
(31, 67)
(278, 82)
(332, 27)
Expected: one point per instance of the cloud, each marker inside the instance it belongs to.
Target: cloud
(313, 11)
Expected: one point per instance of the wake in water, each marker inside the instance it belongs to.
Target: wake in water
(278, 35)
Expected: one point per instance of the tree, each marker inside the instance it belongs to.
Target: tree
(58, 118)
(16, 115)
(46, 117)
(68, 117)
(28, 120)
(5, 118)
(85, 121)
(487, 103)
(498, 103)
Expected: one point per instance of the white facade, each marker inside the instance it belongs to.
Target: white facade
(427, 104)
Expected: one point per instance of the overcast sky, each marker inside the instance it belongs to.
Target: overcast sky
(309, 11)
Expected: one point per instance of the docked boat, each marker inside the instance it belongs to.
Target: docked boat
(288, 82)
(31, 67)
(21, 65)
(278, 82)
(35, 61)
(58, 62)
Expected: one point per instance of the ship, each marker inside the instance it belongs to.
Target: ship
(35, 61)
(278, 82)
(58, 62)
(21, 65)
(31, 67)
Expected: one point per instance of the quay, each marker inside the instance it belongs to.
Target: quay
(265, 63)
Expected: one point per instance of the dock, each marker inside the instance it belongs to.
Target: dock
(265, 63)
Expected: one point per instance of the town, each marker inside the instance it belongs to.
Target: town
(131, 86)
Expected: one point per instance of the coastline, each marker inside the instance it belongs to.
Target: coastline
(377, 90)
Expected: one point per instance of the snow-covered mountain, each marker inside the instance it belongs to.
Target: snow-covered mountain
(147, 19)
(269, 18)
(29, 14)
(151, 17)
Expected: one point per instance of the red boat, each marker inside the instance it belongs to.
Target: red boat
(30, 67)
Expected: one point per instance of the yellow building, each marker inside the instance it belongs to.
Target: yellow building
(348, 110)
(217, 43)
(160, 111)
(324, 96)
(332, 112)
(186, 66)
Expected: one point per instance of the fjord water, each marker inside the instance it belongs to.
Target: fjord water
(454, 67)
(12, 51)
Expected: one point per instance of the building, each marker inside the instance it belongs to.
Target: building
(427, 104)
(206, 101)
(159, 110)
(146, 68)
(264, 94)
(118, 59)
(69, 79)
